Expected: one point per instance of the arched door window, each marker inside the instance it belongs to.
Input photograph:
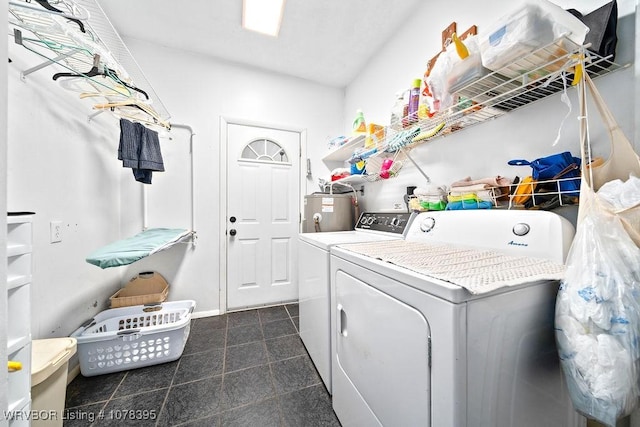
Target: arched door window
(264, 150)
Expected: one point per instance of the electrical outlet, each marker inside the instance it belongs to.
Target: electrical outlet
(56, 231)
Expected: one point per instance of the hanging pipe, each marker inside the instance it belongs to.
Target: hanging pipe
(145, 219)
(192, 174)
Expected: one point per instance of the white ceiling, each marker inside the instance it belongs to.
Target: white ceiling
(326, 41)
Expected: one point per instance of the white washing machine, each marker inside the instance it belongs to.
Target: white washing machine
(314, 284)
(412, 347)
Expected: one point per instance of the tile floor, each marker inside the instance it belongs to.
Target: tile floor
(247, 368)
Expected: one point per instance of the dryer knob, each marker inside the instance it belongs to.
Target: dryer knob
(427, 224)
(521, 229)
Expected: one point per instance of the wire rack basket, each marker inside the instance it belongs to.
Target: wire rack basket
(547, 194)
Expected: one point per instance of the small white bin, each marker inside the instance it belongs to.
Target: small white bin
(133, 337)
(534, 25)
(49, 366)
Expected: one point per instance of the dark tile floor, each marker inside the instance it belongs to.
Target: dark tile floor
(247, 368)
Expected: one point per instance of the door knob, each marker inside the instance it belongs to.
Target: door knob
(233, 232)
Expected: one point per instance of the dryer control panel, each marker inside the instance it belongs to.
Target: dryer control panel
(387, 222)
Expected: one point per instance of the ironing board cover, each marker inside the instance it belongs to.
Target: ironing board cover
(127, 251)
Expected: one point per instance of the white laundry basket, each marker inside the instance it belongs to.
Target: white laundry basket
(132, 337)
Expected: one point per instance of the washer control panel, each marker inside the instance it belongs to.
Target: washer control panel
(386, 222)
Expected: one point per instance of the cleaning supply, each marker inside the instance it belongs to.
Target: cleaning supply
(461, 48)
(398, 110)
(422, 136)
(414, 100)
(359, 125)
(358, 168)
(375, 135)
(385, 170)
(362, 154)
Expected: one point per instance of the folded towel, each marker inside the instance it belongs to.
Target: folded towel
(470, 188)
(494, 181)
(462, 197)
(468, 205)
(489, 195)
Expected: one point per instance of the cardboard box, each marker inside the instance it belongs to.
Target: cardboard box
(146, 288)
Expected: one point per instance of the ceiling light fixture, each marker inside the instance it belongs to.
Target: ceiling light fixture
(262, 16)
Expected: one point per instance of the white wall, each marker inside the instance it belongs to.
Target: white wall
(197, 91)
(481, 150)
(63, 168)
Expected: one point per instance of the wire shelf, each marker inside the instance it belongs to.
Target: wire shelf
(545, 194)
(73, 36)
(541, 73)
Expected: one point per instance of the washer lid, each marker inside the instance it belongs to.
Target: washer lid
(48, 355)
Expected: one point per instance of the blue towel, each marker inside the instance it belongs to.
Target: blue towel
(468, 204)
(139, 150)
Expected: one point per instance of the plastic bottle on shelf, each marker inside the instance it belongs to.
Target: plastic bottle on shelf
(414, 100)
(397, 111)
(359, 125)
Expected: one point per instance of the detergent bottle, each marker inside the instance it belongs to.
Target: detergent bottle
(359, 125)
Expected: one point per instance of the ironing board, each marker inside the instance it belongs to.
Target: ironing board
(132, 249)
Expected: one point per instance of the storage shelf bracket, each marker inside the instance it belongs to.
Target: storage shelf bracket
(91, 116)
(406, 153)
(45, 64)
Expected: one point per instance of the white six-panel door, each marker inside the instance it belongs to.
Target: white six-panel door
(262, 215)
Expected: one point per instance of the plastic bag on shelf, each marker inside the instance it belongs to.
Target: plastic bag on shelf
(453, 70)
(465, 71)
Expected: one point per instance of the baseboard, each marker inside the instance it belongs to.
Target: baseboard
(200, 314)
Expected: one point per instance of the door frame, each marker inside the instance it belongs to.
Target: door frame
(222, 202)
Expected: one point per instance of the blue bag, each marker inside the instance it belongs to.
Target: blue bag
(556, 166)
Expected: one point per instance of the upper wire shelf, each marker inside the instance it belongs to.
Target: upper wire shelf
(78, 36)
(541, 73)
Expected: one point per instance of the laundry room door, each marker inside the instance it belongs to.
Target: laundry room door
(263, 211)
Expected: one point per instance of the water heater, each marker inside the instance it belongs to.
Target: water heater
(328, 212)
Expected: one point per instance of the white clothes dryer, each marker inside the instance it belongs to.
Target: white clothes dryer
(314, 284)
(411, 346)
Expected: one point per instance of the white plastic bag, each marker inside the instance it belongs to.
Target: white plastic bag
(598, 316)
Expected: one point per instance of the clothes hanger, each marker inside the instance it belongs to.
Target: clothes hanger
(136, 105)
(106, 71)
(160, 126)
(38, 21)
(46, 5)
(118, 91)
